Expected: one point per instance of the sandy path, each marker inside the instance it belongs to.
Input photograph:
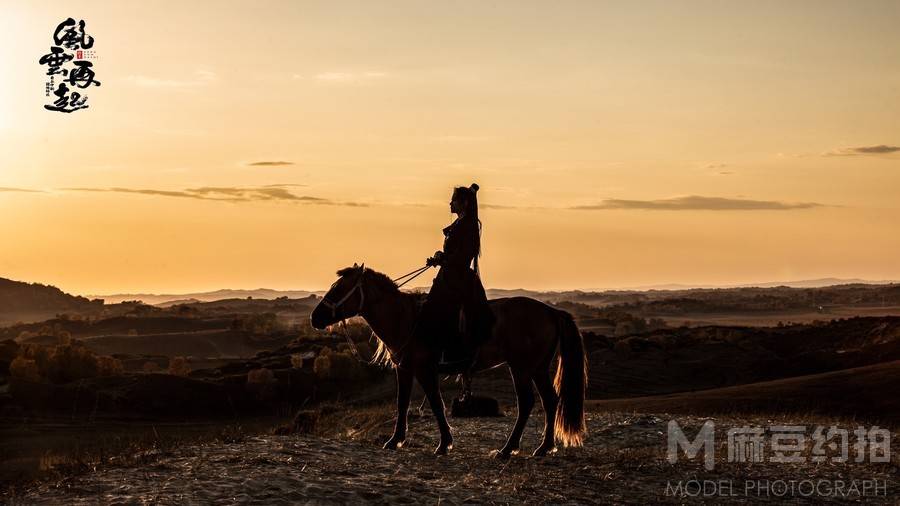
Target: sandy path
(622, 462)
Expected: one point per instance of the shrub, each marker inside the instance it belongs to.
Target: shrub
(179, 366)
(297, 361)
(25, 334)
(71, 362)
(259, 323)
(338, 365)
(109, 366)
(261, 376)
(345, 366)
(24, 368)
(322, 366)
(64, 337)
(40, 354)
(66, 362)
(9, 350)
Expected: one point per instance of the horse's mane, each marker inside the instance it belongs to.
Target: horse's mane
(381, 281)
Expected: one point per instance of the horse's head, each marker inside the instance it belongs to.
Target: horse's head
(344, 299)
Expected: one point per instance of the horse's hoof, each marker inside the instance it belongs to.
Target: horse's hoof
(542, 451)
(443, 449)
(393, 444)
(502, 454)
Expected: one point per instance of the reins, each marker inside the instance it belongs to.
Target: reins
(362, 297)
(412, 275)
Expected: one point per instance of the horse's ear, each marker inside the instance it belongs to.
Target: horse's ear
(355, 266)
(363, 266)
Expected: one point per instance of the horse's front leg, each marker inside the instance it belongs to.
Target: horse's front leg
(404, 390)
(430, 384)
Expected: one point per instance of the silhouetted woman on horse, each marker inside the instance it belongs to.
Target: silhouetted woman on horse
(523, 333)
(455, 317)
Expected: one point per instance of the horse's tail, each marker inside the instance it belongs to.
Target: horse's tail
(570, 382)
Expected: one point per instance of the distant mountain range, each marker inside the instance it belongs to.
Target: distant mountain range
(20, 296)
(266, 293)
(169, 299)
(806, 283)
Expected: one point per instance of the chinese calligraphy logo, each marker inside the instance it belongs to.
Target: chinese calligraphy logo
(68, 59)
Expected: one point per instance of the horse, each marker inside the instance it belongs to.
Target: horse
(525, 336)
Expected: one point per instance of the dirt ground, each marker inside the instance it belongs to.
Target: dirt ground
(623, 462)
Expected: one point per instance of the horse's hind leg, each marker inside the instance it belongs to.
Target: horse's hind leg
(549, 400)
(429, 382)
(525, 401)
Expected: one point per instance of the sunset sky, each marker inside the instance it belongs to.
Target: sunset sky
(267, 144)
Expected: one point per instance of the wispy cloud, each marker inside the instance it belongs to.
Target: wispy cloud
(229, 194)
(699, 203)
(278, 163)
(201, 77)
(25, 190)
(881, 149)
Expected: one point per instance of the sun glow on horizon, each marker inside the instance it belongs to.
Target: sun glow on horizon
(616, 145)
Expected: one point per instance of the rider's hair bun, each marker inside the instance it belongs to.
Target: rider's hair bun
(474, 187)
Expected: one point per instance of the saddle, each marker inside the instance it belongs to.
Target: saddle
(456, 351)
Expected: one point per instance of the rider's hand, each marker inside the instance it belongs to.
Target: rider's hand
(435, 260)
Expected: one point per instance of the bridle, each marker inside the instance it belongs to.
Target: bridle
(334, 306)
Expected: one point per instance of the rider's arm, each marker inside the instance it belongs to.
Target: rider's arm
(459, 246)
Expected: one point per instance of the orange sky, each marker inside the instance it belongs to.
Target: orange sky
(616, 144)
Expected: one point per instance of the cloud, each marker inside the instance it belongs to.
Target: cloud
(881, 149)
(229, 194)
(698, 203)
(24, 190)
(278, 163)
(201, 78)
